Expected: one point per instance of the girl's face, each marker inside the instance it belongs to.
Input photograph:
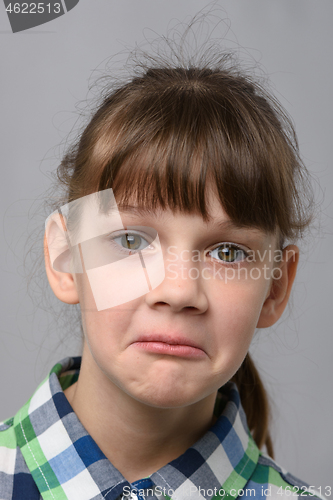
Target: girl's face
(187, 337)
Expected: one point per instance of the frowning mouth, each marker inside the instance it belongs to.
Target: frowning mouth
(171, 346)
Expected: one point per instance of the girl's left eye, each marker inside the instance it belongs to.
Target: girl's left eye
(131, 241)
(228, 253)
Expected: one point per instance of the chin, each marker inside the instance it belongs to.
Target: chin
(166, 402)
(167, 396)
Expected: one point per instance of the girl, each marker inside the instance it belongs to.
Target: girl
(184, 197)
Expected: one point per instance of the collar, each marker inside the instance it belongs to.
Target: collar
(66, 463)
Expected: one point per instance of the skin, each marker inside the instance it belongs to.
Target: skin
(145, 408)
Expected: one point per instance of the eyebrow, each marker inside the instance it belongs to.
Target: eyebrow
(229, 224)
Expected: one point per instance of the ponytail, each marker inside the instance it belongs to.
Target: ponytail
(255, 403)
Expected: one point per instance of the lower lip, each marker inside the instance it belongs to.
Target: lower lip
(183, 351)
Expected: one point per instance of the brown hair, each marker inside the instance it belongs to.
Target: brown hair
(171, 133)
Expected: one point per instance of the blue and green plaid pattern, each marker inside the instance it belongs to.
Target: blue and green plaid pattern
(45, 453)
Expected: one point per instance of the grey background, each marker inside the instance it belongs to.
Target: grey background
(45, 72)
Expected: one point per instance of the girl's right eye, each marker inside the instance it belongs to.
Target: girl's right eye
(130, 241)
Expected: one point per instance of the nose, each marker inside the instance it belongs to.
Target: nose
(181, 290)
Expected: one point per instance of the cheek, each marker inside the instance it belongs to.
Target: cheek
(108, 327)
(235, 316)
(104, 321)
(103, 330)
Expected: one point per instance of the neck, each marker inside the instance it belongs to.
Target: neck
(137, 438)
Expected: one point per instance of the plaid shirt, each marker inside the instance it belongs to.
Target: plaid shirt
(45, 453)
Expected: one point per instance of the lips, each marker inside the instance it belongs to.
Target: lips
(169, 345)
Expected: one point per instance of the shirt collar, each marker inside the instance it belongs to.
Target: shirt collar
(66, 463)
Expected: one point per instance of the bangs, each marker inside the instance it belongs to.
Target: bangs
(167, 173)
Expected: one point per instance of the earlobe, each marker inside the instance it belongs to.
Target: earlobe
(62, 283)
(277, 299)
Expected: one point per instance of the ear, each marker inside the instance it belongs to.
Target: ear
(278, 296)
(57, 256)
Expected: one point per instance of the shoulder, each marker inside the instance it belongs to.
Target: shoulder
(272, 482)
(20, 453)
(16, 481)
